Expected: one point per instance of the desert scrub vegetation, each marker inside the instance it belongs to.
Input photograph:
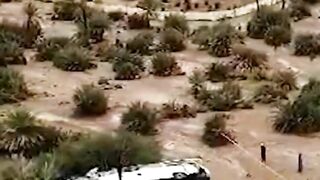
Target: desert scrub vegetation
(140, 119)
(197, 80)
(299, 10)
(307, 45)
(73, 58)
(178, 22)
(247, 59)
(285, 79)
(164, 64)
(138, 21)
(98, 23)
(215, 131)
(141, 43)
(261, 25)
(13, 87)
(269, 93)
(217, 72)
(174, 110)
(23, 135)
(217, 39)
(126, 65)
(172, 40)
(301, 115)
(47, 48)
(90, 100)
(222, 39)
(11, 53)
(201, 37)
(226, 98)
(11, 43)
(65, 10)
(277, 35)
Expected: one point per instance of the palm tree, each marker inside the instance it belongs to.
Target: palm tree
(22, 135)
(32, 25)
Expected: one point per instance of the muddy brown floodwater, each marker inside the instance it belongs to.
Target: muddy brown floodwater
(180, 138)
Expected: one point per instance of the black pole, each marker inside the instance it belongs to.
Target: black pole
(283, 4)
(300, 163)
(258, 5)
(263, 152)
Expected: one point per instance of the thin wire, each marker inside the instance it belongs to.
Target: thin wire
(254, 158)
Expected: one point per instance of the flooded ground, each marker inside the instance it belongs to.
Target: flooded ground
(180, 138)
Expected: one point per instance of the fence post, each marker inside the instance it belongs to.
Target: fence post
(263, 150)
(300, 163)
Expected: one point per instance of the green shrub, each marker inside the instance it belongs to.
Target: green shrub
(301, 116)
(127, 66)
(72, 58)
(65, 10)
(307, 45)
(90, 100)
(173, 110)
(299, 10)
(197, 80)
(24, 35)
(22, 135)
(138, 21)
(98, 23)
(109, 53)
(215, 131)
(141, 43)
(269, 93)
(177, 22)
(140, 119)
(224, 99)
(266, 18)
(172, 40)
(11, 53)
(116, 15)
(49, 47)
(245, 58)
(12, 86)
(164, 64)
(11, 32)
(201, 37)
(218, 72)
(221, 39)
(277, 35)
(286, 80)
(105, 152)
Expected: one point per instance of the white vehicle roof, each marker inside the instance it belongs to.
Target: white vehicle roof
(161, 170)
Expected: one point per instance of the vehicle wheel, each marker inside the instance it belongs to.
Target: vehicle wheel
(179, 175)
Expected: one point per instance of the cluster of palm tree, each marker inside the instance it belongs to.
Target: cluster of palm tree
(272, 25)
(23, 136)
(300, 116)
(218, 39)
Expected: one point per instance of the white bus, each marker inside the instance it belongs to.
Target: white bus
(188, 169)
